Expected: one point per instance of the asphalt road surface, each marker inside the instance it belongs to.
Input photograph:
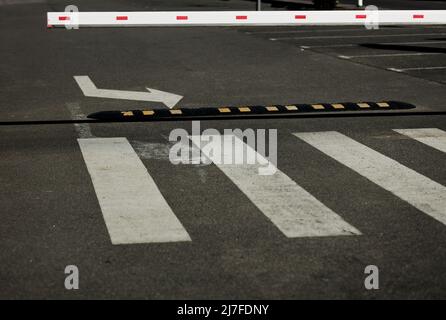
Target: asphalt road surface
(349, 192)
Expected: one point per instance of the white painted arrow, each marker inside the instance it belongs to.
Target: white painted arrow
(89, 89)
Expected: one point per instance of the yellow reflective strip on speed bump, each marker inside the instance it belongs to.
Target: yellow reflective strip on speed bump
(338, 106)
(363, 105)
(224, 110)
(272, 108)
(148, 112)
(244, 109)
(383, 104)
(291, 108)
(127, 113)
(175, 111)
(317, 106)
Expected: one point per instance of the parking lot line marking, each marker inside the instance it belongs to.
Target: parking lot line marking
(415, 69)
(432, 137)
(421, 192)
(389, 55)
(362, 36)
(358, 44)
(133, 208)
(395, 69)
(290, 207)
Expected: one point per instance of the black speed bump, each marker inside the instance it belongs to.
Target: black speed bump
(246, 111)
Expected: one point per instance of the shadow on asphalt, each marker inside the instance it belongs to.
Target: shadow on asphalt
(403, 48)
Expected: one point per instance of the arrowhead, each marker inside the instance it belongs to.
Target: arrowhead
(169, 99)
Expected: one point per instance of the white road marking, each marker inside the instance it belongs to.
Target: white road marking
(432, 137)
(415, 69)
(151, 151)
(381, 43)
(368, 36)
(395, 69)
(161, 151)
(290, 207)
(421, 192)
(89, 89)
(134, 209)
(83, 129)
(389, 55)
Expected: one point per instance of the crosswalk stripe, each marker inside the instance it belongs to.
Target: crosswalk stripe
(290, 207)
(134, 209)
(432, 137)
(423, 193)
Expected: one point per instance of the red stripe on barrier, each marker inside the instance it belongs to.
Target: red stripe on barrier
(418, 16)
(64, 18)
(361, 16)
(182, 17)
(241, 17)
(122, 18)
(300, 17)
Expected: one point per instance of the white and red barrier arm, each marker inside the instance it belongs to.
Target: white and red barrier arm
(245, 18)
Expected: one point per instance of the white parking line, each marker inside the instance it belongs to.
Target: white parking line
(423, 193)
(415, 69)
(134, 209)
(389, 55)
(381, 43)
(432, 137)
(290, 207)
(368, 36)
